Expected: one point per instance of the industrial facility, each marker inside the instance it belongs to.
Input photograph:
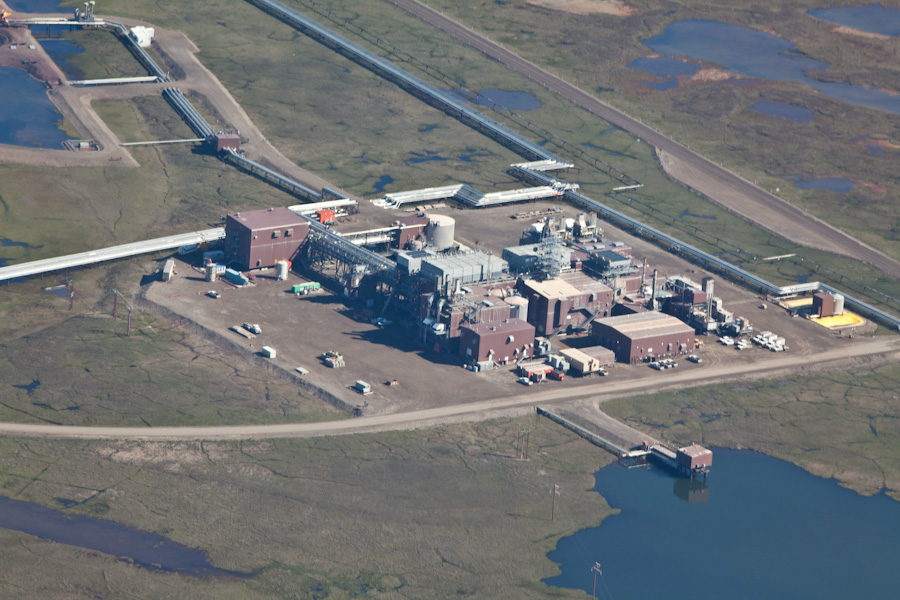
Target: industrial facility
(563, 280)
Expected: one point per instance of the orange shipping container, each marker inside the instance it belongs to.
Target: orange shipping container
(326, 215)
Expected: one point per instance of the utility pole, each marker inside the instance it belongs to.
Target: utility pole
(522, 443)
(595, 569)
(115, 304)
(554, 493)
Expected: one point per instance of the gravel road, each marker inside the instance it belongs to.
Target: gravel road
(720, 185)
(882, 348)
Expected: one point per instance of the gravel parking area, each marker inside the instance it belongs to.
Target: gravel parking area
(301, 329)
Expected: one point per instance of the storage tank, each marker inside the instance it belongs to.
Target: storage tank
(440, 231)
(281, 270)
(838, 304)
(211, 272)
(519, 307)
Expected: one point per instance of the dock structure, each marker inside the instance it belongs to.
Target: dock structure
(692, 461)
(602, 441)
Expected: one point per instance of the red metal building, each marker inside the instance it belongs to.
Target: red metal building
(501, 342)
(692, 459)
(642, 336)
(260, 238)
(565, 302)
(227, 140)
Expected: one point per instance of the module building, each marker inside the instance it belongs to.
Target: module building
(644, 336)
(260, 238)
(566, 302)
(500, 342)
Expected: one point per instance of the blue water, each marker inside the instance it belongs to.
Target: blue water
(148, 550)
(687, 214)
(762, 528)
(6, 242)
(30, 387)
(500, 98)
(763, 55)
(27, 118)
(384, 180)
(429, 156)
(789, 112)
(840, 185)
(664, 67)
(60, 49)
(874, 18)
(36, 6)
(509, 100)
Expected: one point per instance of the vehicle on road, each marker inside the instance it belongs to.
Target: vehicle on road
(252, 328)
(214, 294)
(525, 381)
(695, 359)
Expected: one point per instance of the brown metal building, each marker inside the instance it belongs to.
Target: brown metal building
(641, 336)
(693, 458)
(565, 302)
(227, 140)
(823, 304)
(501, 342)
(260, 238)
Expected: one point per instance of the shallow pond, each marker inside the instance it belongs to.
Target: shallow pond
(147, 550)
(789, 112)
(762, 55)
(522, 101)
(28, 117)
(761, 528)
(874, 18)
(60, 49)
(384, 180)
(840, 185)
(36, 6)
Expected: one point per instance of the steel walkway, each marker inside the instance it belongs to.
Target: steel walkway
(124, 251)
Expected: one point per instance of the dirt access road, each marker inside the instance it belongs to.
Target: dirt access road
(882, 348)
(720, 185)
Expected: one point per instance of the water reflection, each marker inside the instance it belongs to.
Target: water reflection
(27, 118)
(148, 550)
(770, 530)
(762, 55)
(691, 490)
(874, 18)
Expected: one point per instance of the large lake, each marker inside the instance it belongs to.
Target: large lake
(763, 55)
(761, 529)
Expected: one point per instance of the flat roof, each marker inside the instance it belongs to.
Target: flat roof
(584, 283)
(645, 324)
(695, 450)
(268, 218)
(507, 326)
(553, 288)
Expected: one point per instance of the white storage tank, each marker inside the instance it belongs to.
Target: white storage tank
(211, 272)
(440, 231)
(838, 304)
(519, 308)
(282, 267)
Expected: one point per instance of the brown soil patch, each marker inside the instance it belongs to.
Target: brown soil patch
(711, 75)
(878, 189)
(587, 7)
(851, 31)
